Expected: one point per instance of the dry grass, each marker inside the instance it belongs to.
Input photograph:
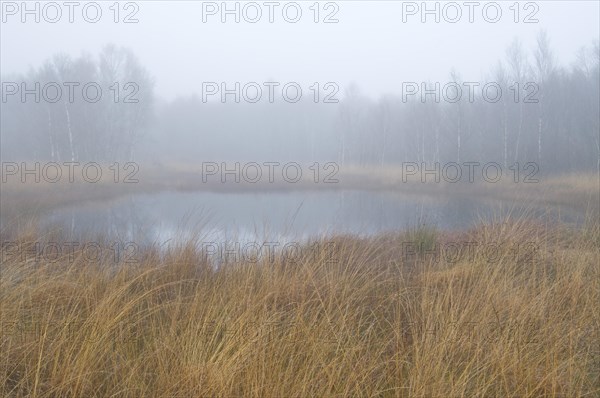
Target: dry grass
(580, 190)
(374, 322)
(577, 190)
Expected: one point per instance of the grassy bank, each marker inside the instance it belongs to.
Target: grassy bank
(579, 191)
(500, 310)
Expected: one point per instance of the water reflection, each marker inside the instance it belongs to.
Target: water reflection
(293, 216)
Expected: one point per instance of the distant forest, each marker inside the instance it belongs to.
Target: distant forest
(546, 113)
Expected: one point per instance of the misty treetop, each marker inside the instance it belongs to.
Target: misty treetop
(77, 109)
(547, 113)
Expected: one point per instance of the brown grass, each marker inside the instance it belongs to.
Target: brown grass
(577, 190)
(369, 321)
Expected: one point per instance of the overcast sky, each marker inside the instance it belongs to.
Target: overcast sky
(370, 45)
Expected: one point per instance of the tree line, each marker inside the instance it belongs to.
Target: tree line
(547, 113)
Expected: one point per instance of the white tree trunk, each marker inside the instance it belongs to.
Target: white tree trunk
(50, 136)
(70, 132)
(505, 122)
(458, 138)
(519, 131)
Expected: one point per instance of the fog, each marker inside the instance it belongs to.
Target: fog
(312, 198)
(173, 88)
(369, 44)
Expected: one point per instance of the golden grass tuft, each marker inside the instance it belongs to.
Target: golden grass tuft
(366, 322)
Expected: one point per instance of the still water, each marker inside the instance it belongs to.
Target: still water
(292, 216)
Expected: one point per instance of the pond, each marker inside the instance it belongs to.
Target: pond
(290, 216)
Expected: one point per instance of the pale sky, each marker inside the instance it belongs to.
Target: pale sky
(370, 45)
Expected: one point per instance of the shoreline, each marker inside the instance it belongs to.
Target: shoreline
(579, 191)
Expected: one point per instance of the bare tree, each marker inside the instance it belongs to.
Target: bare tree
(544, 64)
(518, 65)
